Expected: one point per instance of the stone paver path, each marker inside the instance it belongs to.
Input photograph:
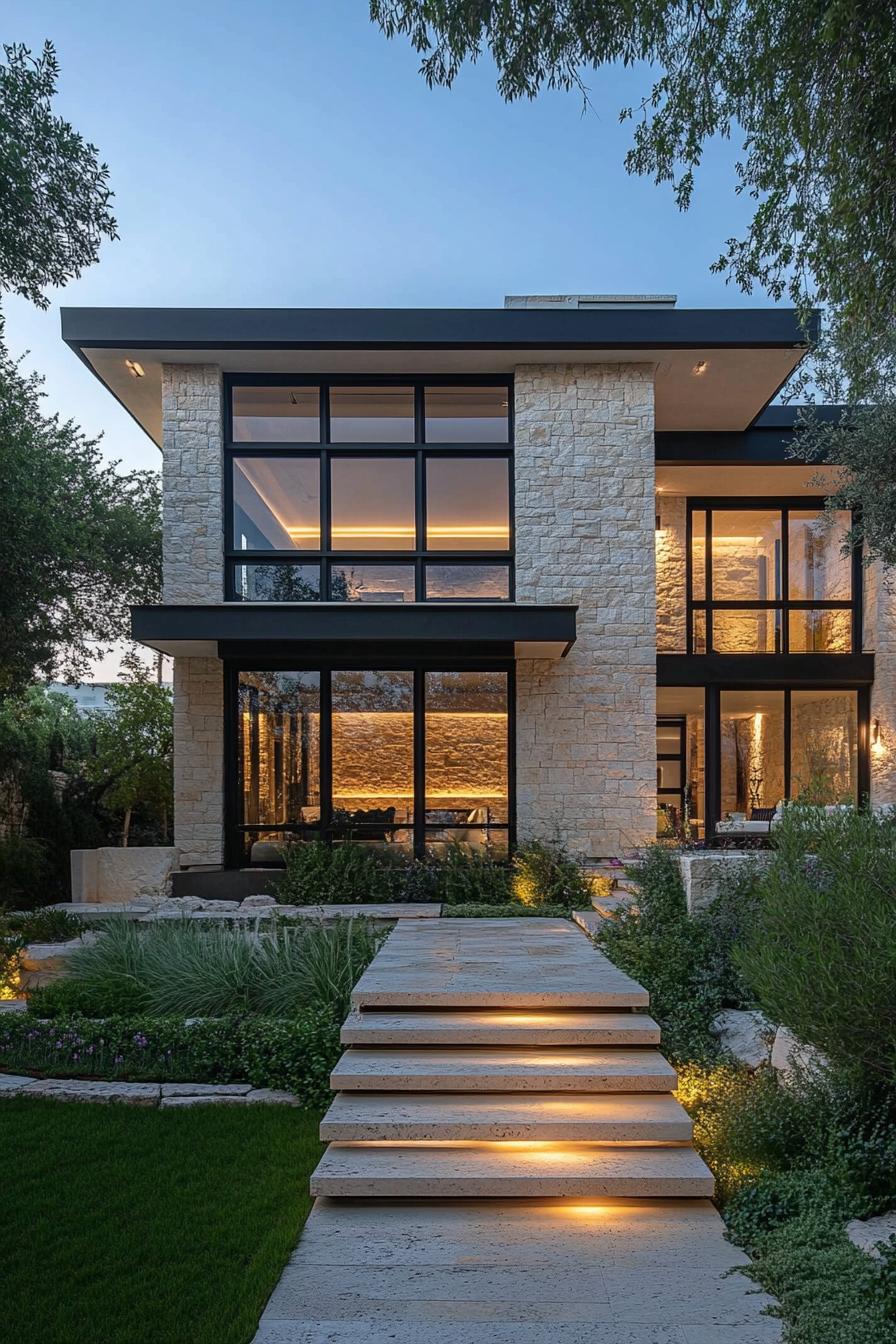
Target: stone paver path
(507, 1163)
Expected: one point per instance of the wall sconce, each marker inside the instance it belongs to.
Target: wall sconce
(877, 745)
(134, 368)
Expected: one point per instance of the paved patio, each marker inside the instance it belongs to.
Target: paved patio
(507, 1162)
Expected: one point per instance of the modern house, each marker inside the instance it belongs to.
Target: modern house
(467, 575)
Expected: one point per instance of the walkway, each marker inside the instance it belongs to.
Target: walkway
(507, 1162)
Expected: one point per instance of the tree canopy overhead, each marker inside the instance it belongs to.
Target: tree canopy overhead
(54, 190)
(807, 88)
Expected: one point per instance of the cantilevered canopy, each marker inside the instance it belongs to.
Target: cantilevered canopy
(511, 629)
(715, 369)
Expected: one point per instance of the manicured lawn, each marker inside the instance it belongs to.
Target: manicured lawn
(136, 1226)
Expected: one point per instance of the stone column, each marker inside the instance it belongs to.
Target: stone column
(671, 593)
(880, 639)
(584, 510)
(193, 573)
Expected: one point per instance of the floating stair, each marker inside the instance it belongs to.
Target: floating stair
(385, 1117)
(503, 1059)
(527, 1171)
(508, 1069)
(499, 1027)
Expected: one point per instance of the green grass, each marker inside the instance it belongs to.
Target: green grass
(136, 1226)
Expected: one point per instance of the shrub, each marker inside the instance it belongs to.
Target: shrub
(544, 874)
(723, 925)
(11, 947)
(188, 968)
(296, 1054)
(346, 874)
(820, 953)
(465, 877)
(46, 925)
(26, 871)
(509, 910)
(669, 954)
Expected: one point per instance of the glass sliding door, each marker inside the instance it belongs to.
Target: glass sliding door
(278, 759)
(417, 758)
(466, 759)
(752, 745)
(372, 743)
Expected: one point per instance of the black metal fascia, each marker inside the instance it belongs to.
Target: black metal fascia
(434, 328)
(479, 623)
(796, 670)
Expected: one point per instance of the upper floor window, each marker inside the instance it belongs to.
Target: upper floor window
(770, 577)
(370, 484)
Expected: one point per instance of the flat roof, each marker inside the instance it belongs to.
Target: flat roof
(520, 629)
(746, 354)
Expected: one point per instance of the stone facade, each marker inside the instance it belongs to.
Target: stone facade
(584, 511)
(880, 638)
(199, 761)
(192, 484)
(671, 595)
(193, 572)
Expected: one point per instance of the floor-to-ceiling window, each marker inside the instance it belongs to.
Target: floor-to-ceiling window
(770, 576)
(416, 758)
(396, 491)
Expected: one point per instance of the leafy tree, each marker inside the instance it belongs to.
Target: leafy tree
(80, 541)
(130, 769)
(809, 90)
(54, 190)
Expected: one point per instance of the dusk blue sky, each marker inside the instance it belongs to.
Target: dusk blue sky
(286, 154)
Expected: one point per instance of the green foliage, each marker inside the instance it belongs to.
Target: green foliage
(130, 767)
(669, 954)
(808, 92)
(81, 540)
(43, 926)
(56, 193)
(191, 969)
(509, 910)
(820, 953)
(349, 873)
(723, 925)
(543, 873)
(26, 871)
(295, 1053)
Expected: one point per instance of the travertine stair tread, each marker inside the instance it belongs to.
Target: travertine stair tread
(498, 1026)
(495, 1170)
(484, 1069)
(609, 1117)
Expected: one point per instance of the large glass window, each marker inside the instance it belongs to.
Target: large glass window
(373, 752)
(467, 504)
(276, 414)
(680, 762)
(372, 415)
(769, 578)
(350, 509)
(467, 415)
(824, 746)
(415, 757)
(278, 755)
(372, 504)
(752, 745)
(276, 504)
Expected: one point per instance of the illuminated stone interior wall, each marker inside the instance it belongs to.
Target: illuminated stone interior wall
(824, 747)
(759, 741)
(670, 548)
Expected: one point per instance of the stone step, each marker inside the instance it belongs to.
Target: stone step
(611, 906)
(483, 1069)
(395, 1117)
(498, 1027)
(496, 1170)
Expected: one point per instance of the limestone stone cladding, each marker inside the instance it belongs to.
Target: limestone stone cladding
(193, 572)
(671, 594)
(584, 520)
(880, 626)
(199, 761)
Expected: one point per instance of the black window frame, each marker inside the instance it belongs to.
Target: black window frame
(325, 556)
(326, 665)
(785, 505)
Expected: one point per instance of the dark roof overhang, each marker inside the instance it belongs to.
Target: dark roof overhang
(520, 630)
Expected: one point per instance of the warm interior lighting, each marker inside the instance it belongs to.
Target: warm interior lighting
(700, 368)
(488, 533)
(134, 369)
